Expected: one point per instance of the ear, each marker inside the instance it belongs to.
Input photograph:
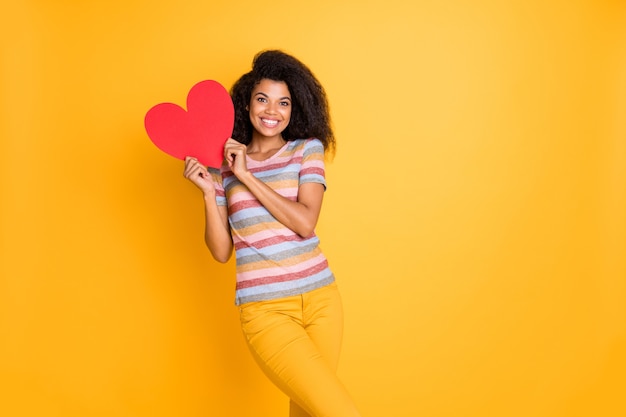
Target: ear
(247, 108)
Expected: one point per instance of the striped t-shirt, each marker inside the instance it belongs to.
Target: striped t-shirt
(272, 260)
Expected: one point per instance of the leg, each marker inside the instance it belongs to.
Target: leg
(278, 341)
(296, 411)
(323, 322)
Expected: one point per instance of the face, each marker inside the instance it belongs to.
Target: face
(270, 108)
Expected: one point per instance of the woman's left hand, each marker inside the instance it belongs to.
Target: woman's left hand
(235, 154)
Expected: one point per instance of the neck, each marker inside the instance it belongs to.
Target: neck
(265, 144)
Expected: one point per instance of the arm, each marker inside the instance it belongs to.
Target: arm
(217, 231)
(300, 216)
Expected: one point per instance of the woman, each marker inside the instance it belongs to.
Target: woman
(265, 202)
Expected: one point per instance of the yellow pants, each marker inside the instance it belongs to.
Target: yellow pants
(296, 341)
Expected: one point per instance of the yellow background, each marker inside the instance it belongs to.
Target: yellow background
(475, 216)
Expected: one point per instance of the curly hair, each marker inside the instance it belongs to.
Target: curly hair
(310, 116)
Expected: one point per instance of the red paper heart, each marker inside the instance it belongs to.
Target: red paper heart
(201, 131)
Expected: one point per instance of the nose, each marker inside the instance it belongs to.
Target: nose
(271, 108)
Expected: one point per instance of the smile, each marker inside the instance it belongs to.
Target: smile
(269, 123)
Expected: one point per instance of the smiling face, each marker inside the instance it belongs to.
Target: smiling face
(270, 108)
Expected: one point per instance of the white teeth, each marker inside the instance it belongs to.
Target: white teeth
(270, 122)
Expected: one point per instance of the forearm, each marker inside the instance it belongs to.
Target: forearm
(299, 216)
(217, 231)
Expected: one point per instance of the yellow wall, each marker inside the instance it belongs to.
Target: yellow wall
(475, 216)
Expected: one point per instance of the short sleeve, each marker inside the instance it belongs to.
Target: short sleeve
(312, 167)
(220, 195)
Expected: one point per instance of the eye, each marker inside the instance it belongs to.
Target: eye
(261, 99)
(284, 103)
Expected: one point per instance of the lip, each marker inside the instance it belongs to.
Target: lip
(269, 123)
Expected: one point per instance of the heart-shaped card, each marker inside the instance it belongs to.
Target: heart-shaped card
(200, 131)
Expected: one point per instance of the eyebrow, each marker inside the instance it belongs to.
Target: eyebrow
(265, 95)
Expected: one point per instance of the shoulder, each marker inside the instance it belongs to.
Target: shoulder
(307, 146)
(302, 150)
(313, 143)
(305, 143)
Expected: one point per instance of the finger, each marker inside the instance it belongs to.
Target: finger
(233, 144)
(229, 153)
(189, 163)
(234, 149)
(195, 169)
(196, 173)
(189, 172)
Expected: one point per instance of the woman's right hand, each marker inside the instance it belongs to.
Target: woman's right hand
(217, 231)
(199, 175)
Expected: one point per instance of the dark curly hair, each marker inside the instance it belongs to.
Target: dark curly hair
(310, 116)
